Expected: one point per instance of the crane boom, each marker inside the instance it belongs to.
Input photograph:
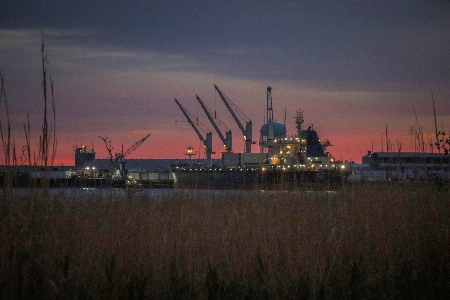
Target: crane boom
(190, 122)
(226, 140)
(137, 144)
(224, 99)
(247, 131)
(119, 160)
(206, 141)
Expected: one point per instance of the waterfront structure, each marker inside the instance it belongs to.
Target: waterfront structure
(408, 166)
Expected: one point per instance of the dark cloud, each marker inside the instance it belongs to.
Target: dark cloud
(344, 44)
(109, 55)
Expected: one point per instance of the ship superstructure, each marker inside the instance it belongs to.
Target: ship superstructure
(305, 151)
(301, 157)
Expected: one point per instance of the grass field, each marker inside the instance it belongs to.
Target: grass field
(363, 241)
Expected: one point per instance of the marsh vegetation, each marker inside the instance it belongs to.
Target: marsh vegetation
(365, 241)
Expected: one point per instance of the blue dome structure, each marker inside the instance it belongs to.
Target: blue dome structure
(279, 130)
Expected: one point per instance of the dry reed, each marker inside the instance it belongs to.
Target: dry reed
(388, 241)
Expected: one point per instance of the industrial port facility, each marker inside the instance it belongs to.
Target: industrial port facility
(282, 162)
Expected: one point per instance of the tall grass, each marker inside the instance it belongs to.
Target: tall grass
(5, 136)
(47, 145)
(364, 242)
(47, 140)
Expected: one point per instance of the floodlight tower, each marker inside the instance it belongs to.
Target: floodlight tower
(190, 152)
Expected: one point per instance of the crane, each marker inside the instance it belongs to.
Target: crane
(207, 141)
(226, 140)
(119, 158)
(247, 131)
(137, 144)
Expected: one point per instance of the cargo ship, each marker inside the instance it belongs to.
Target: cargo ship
(282, 162)
(289, 163)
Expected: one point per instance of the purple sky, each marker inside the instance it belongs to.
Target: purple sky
(117, 66)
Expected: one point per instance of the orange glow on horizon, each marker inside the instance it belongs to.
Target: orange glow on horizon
(165, 143)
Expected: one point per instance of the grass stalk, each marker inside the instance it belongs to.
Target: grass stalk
(44, 139)
(368, 241)
(6, 137)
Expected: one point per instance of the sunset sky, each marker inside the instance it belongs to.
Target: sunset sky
(354, 67)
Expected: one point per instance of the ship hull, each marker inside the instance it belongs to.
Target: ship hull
(272, 180)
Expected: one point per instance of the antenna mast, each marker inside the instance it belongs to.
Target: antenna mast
(299, 120)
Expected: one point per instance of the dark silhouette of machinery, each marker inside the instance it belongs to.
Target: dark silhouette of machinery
(118, 159)
(207, 140)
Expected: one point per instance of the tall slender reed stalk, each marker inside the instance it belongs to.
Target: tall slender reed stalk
(419, 133)
(6, 140)
(435, 123)
(27, 131)
(48, 135)
(43, 140)
(54, 144)
(9, 176)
